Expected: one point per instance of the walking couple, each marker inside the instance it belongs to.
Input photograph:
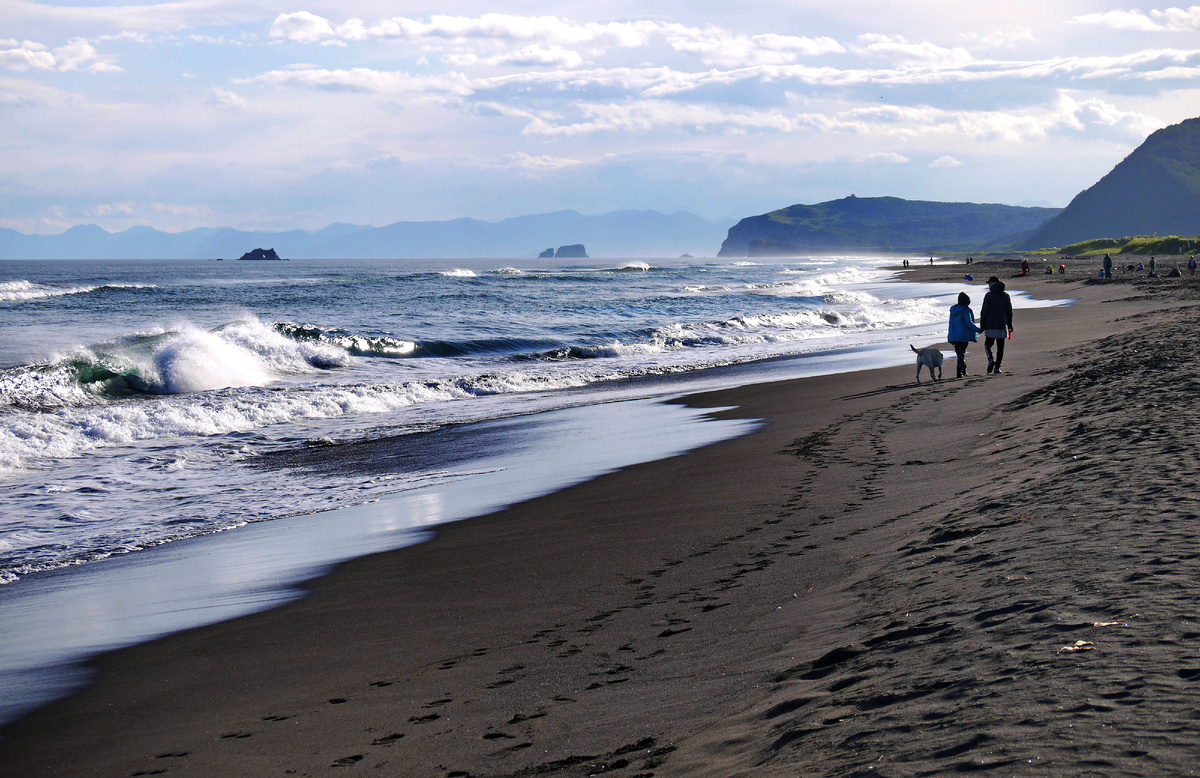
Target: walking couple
(995, 322)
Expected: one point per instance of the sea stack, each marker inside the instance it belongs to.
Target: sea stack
(260, 254)
(574, 251)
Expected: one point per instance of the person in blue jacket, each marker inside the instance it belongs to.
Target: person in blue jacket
(963, 330)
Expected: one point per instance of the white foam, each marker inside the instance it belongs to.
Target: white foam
(20, 291)
(459, 272)
(26, 438)
(636, 265)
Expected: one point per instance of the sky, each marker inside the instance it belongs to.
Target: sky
(297, 114)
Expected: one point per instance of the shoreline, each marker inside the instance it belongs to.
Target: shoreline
(655, 580)
(163, 589)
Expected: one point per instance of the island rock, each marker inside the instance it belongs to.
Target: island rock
(547, 254)
(260, 254)
(574, 251)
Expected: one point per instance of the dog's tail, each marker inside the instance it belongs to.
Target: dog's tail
(914, 348)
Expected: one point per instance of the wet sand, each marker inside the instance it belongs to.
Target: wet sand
(998, 572)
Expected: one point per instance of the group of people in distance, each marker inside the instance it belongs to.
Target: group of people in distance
(1107, 266)
(995, 322)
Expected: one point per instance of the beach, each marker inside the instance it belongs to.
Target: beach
(994, 573)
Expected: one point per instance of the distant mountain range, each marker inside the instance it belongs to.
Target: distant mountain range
(880, 224)
(1153, 191)
(616, 234)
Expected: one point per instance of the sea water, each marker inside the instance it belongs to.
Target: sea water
(150, 405)
(140, 401)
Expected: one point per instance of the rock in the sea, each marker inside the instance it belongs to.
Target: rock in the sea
(574, 251)
(260, 254)
(547, 254)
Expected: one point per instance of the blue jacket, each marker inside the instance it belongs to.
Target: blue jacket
(962, 325)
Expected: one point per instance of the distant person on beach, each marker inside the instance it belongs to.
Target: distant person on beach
(963, 330)
(1192, 266)
(995, 316)
(1153, 268)
(1024, 267)
(1107, 266)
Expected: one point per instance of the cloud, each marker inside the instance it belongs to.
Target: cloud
(25, 56)
(567, 101)
(302, 27)
(945, 161)
(1001, 39)
(897, 48)
(528, 56)
(105, 210)
(1067, 115)
(883, 158)
(651, 115)
(160, 17)
(223, 98)
(77, 54)
(537, 162)
(715, 46)
(1169, 20)
(307, 27)
(221, 40)
(364, 80)
(542, 34)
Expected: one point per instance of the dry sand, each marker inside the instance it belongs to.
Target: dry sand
(995, 573)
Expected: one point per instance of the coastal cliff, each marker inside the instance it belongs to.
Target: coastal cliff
(879, 223)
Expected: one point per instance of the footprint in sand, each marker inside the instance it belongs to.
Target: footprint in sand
(518, 718)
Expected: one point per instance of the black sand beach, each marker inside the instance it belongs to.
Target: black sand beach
(995, 574)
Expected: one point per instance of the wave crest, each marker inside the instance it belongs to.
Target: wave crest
(21, 291)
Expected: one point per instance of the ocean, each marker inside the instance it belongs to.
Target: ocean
(175, 408)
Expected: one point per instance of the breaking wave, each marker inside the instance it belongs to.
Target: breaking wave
(20, 291)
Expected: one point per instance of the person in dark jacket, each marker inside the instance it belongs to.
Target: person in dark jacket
(995, 316)
(963, 330)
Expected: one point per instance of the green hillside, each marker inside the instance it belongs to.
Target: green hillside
(1155, 190)
(1168, 246)
(879, 223)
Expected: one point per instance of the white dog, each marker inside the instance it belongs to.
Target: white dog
(930, 358)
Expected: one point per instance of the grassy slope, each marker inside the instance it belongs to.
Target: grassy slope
(1169, 245)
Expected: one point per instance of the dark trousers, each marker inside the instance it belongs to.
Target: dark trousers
(987, 346)
(960, 357)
